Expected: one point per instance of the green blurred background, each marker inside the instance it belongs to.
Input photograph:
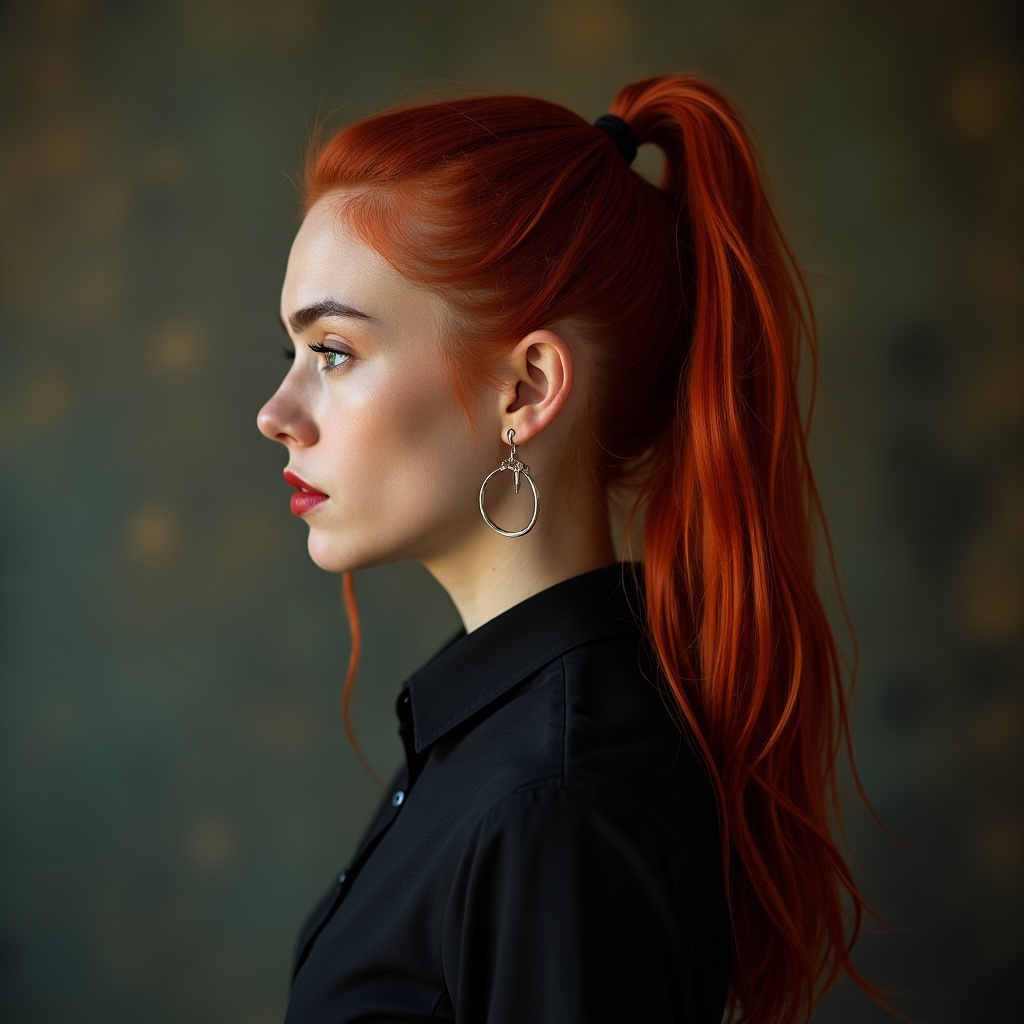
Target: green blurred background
(175, 787)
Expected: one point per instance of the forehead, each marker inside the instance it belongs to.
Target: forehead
(329, 261)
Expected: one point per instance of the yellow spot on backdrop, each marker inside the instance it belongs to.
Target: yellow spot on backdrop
(55, 73)
(98, 290)
(587, 28)
(41, 403)
(992, 402)
(980, 97)
(164, 163)
(232, 26)
(210, 843)
(1006, 195)
(999, 851)
(65, 13)
(994, 603)
(177, 348)
(24, 269)
(151, 534)
(993, 591)
(105, 207)
(994, 732)
(48, 397)
(278, 728)
(64, 153)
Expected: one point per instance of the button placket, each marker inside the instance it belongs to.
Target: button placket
(355, 866)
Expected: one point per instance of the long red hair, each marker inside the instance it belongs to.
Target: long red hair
(520, 213)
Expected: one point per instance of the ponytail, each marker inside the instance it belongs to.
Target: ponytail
(693, 283)
(731, 507)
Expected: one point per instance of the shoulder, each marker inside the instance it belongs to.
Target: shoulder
(595, 772)
(591, 727)
(575, 834)
(549, 809)
(552, 877)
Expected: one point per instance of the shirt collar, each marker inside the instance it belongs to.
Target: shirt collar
(476, 668)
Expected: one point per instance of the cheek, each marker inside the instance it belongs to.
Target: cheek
(434, 443)
(410, 447)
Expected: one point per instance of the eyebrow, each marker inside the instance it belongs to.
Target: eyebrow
(308, 315)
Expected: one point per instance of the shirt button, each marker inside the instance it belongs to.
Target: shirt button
(398, 799)
(342, 877)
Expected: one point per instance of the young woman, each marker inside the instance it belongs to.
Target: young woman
(618, 783)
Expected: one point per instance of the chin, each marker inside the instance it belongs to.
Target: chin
(327, 556)
(334, 557)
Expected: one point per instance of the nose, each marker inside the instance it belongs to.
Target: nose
(283, 419)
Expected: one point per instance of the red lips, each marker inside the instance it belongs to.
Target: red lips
(305, 497)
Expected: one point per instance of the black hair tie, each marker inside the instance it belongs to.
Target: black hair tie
(622, 135)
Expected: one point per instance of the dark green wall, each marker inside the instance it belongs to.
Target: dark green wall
(174, 784)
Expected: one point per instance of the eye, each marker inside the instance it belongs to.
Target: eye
(288, 353)
(334, 358)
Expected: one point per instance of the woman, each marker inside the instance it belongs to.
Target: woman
(618, 780)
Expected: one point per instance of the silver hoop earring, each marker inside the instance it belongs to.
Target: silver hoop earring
(519, 469)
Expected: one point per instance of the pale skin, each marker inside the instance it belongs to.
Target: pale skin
(373, 424)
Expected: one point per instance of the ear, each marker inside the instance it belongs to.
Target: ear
(538, 372)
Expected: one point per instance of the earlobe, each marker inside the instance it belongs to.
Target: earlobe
(541, 365)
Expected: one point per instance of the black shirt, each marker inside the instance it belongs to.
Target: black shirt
(548, 855)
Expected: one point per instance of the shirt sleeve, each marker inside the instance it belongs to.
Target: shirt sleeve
(568, 907)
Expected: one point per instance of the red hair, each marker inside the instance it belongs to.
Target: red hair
(520, 214)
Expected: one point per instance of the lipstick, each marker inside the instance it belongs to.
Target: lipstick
(305, 498)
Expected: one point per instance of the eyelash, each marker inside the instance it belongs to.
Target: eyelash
(316, 346)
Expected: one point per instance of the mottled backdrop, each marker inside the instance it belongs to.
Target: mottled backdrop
(174, 784)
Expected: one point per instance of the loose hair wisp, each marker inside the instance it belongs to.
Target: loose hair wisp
(520, 213)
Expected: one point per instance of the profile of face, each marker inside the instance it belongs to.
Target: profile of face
(366, 411)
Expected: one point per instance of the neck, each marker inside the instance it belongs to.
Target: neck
(490, 574)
